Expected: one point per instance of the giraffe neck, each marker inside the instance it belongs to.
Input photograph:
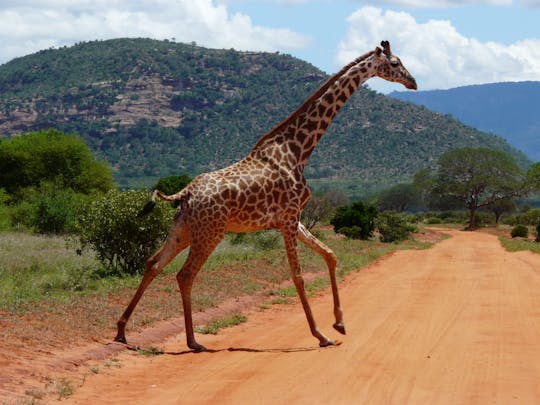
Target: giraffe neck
(292, 141)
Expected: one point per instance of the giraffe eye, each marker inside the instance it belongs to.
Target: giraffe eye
(394, 62)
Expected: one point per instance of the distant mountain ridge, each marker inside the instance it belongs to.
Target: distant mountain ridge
(509, 109)
(155, 108)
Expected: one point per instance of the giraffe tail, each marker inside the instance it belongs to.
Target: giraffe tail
(176, 199)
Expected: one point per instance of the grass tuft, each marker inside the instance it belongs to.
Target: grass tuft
(214, 327)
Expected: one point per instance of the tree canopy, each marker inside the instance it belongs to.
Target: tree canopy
(478, 177)
(54, 157)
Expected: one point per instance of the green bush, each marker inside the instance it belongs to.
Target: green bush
(351, 232)
(393, 227)
(357, 220)
(520, 231)
(172, 184)
(530, 217)
(122, 240)
(49, 209)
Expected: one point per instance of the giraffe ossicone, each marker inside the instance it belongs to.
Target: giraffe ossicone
(265, 190)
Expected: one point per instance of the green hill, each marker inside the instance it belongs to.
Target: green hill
(155, 108)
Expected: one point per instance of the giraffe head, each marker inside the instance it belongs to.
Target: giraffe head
(390, 68)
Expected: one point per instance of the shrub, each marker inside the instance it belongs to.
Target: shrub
(530, 217)
(49, 209)
(393, 227)
(172, 184)
(351, 232)
(537, 233)
(357, 220)
(122, 240)
(520, 231)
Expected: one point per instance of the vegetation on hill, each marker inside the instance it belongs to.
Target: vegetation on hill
(157, 108)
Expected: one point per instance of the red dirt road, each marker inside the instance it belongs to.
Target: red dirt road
(456, 324)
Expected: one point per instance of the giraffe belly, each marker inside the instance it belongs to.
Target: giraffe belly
(252, 221)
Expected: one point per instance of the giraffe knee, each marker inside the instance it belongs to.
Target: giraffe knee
(331, 260)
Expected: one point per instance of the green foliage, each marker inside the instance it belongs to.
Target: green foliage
(520, 231)
(172, 184)
(57, 210)
(478, 177)
(400, 197)
(51, 156)
(121, 240)
(503, 206)
(48, 209)
(533, 177)
(357, 221)
(393, 227)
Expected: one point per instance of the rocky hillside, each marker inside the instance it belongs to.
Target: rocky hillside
(154, 108)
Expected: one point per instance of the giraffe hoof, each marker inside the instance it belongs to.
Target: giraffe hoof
(326, 343)
(340, 328)
(197, 348)
(120, 339)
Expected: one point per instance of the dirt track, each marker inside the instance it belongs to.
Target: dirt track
(455, 324)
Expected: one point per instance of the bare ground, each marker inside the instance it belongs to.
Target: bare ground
(456, 324)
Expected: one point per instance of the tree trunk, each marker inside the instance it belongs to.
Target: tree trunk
(472, 224)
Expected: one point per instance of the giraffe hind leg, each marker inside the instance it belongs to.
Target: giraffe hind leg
(175, 243)
(330, 258)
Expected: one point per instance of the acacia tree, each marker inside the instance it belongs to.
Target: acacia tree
(500, 207)
(478, 177)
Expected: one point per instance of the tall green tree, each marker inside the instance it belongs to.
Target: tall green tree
(478, 177)
(51, 156)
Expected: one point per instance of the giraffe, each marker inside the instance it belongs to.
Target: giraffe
(265, 190)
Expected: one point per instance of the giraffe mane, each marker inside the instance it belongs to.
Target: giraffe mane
(312, 98)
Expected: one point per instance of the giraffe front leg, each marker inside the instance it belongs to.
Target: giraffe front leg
(290, 237)
(331, 260)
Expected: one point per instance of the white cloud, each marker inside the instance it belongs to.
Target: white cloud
(440, 3)
(31, 25)
(436, 53)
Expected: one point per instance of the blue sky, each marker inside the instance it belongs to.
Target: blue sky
(444, 43)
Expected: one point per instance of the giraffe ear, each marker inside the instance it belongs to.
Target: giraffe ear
(378, 51)
(386, 48)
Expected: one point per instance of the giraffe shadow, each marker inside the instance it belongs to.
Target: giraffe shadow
(247, 350)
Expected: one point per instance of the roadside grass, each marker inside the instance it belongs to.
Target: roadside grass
(36, 268)
(52, 297)
(517, 244)
(212, 328)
